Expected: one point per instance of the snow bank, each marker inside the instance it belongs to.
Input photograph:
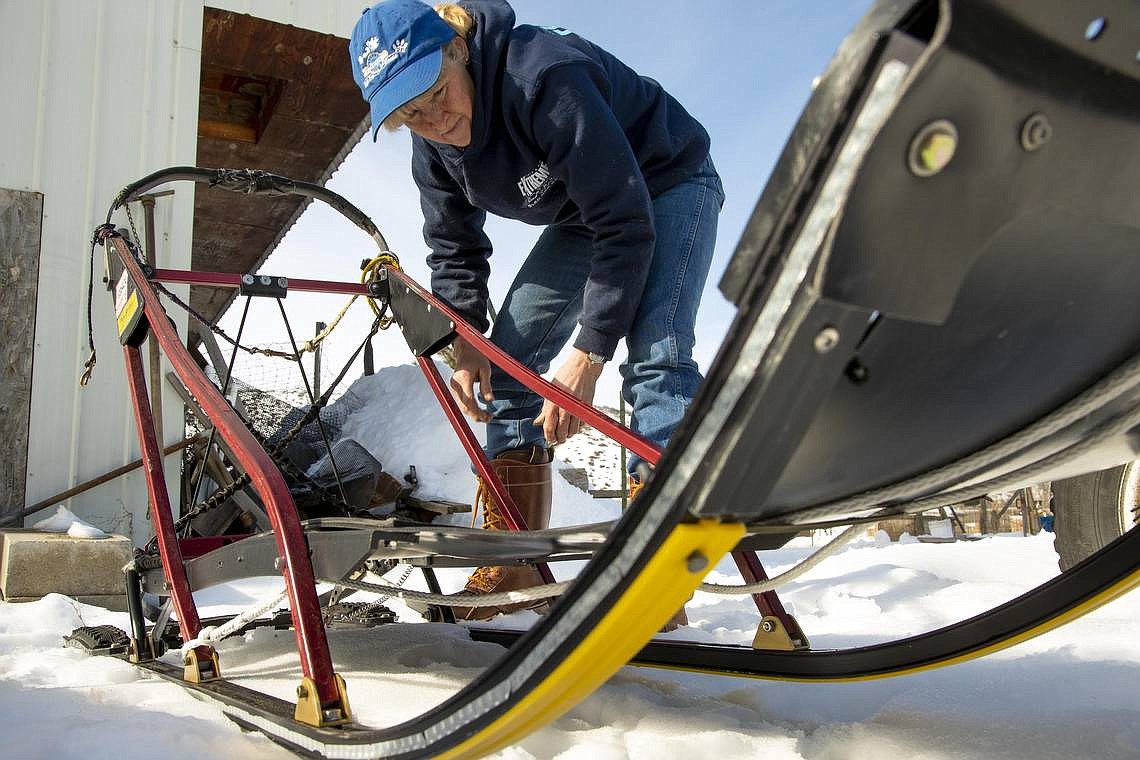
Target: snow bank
(1069, 693)
(395, 415)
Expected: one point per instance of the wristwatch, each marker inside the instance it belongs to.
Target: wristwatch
(595, 358)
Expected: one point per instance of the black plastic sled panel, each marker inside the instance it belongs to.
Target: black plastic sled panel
(948, 249)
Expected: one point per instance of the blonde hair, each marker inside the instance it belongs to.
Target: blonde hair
(457, 18)
(462, 22)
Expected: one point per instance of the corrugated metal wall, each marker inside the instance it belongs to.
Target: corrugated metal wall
(98, 93)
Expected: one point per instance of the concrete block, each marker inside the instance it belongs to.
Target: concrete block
(34, 563)
(112, 602)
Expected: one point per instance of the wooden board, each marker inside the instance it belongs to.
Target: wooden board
(20, 217)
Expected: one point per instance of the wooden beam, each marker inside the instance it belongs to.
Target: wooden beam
(21, 215)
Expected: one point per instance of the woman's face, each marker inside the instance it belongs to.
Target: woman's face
(443, 113)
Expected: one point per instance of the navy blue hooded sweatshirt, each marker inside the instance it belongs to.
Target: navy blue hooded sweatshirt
(562, 132)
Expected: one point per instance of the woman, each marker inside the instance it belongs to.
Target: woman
(541, 125)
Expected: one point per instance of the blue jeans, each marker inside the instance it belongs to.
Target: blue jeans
(544, 302)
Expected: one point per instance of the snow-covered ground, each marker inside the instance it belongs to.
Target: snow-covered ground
(1068, 694)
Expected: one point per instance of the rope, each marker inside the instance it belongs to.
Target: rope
(370, 270)
(212, 634)
(549, 590)
(808, 564)
(496, 599)
(89, 365)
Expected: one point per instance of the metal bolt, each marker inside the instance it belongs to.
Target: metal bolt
(857, 372)
(302, 692)
(1035, 132)
(768, 626)
(1096, 28)
(382, 275)
(696, 562)
(282, 282)
(307, 60)
(247, 279)
(932, 148)
(826, 339)
(266, 279)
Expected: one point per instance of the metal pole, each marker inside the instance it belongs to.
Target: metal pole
(51, 501)
(317, 362)
(175, 570)
(623, 474)
(155, 358)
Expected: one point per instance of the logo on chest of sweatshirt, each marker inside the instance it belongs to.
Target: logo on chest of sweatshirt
(534, 185)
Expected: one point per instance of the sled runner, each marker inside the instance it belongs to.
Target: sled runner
(937, 300)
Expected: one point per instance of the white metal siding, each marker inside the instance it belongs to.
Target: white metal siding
(97, 94)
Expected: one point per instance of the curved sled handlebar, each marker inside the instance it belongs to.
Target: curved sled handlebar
(250, 182)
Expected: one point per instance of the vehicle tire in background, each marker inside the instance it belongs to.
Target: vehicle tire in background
(1089, 511)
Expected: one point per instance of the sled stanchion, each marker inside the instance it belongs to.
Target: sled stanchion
(293, 553)
(161, 515)
(769, 604)
(141, 647)
(478, 457)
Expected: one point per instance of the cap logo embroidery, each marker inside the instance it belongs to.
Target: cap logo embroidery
(373, 60)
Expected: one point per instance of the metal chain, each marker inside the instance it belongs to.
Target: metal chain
(276, 453)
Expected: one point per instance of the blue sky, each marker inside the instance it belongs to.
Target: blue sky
(743, 69)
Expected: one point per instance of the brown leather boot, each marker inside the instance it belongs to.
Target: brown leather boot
(526, 475)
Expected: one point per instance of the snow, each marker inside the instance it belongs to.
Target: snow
(62, 520)
(1067, 694)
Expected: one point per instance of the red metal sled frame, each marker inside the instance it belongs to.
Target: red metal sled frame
(768, 602)
(294, 561)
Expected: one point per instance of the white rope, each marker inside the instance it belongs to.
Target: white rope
(215, 633)
(762, 586)
(495, 599)
(212, 634)
(535, 593)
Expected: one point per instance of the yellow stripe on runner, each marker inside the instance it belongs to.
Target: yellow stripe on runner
(662, 587)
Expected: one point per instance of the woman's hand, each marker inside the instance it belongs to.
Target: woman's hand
(579, 376)
(471, 367)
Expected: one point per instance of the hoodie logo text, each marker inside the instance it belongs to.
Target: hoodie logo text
(534, 185)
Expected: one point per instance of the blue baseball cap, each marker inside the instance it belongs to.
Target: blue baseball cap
(396, 54)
